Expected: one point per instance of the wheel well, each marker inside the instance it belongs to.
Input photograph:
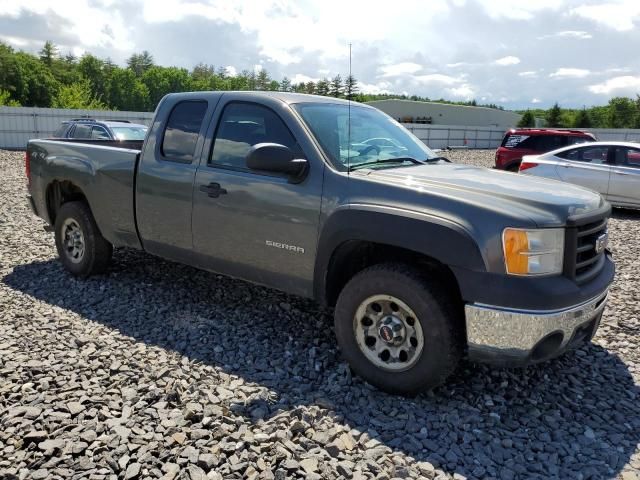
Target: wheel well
(354, 256)
(59, 193)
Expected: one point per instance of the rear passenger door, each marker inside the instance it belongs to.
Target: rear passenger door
(624, 184)
(256, 225)
(586, 166)
(166, 171)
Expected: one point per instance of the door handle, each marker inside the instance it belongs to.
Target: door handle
(213, 190)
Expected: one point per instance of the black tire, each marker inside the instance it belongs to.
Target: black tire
(514, 167)
(439, 315)
(96, 251)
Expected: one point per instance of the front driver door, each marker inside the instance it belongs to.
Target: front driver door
(256, 225)
(586, 166)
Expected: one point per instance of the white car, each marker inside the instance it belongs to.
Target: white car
(610, 168)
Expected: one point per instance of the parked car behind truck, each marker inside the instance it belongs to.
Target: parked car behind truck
(423, 261)
(518, 142)
(610, 168)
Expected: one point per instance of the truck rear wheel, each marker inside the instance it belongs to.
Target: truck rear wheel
(82, 249)
(398, 329)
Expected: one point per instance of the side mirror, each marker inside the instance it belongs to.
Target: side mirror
(273, 157)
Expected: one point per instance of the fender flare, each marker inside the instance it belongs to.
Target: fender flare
(439, 238)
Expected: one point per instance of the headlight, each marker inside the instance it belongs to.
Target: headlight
(533, 252)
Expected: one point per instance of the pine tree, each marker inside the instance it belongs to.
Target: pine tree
(262, 80)
(285, 85)
(322, 87)
(527, 120)
(48, 53)
(351, 87)
(336, 87)
(554, 116)
(582, 120)
(310, 87)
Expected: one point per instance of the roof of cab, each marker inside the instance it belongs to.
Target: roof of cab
(287, 97)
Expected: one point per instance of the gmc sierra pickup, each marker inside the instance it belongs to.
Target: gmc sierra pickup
(423, 261)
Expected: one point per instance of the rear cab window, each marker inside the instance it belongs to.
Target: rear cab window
(182, 131)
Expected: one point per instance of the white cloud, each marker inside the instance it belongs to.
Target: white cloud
(438, 78)
(528, 73)
(498, 9)
(509, 60)
(464, 91)
(300, 78)
(618, 15)
(536, 100)
(404, 68)
(570, 72)
(231, 70)
(626, 83)
(579, 34)
(457, 64)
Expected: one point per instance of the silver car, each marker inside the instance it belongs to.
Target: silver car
(610, 168)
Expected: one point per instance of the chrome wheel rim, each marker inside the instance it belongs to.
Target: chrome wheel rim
(388, 333)
(73, 240)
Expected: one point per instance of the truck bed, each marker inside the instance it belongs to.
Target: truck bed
(102, 169)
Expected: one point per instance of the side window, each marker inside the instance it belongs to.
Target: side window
(546, 143)
(81, 131)
(243, 125)
(575, 140)
(627, 157)
(595, 155)
(61, 129)
(182, 130)
(99, 133)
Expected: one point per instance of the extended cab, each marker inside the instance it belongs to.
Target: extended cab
(424, 261)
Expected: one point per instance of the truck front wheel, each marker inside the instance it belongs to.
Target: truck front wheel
(398, 329)
(82, 249)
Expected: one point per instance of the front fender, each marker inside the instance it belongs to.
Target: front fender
(438, 238)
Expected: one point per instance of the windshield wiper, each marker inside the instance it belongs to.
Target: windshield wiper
(437, 159)
(386, 160)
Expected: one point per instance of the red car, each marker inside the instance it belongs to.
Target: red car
(519, 142)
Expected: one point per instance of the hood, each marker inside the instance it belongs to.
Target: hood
(542, 200)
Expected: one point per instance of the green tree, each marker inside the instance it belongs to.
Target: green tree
(93, 69)
(310, 87)
(322, 87)
(554, 116)
(582, 120)
(285, 85)
(162, 80)
(140, 62)
(351, 87)
(126, 92)
(6, 100)
(262, 80)
(37, 85)
(77, 95)
(622, 113)
(336, 87)
(527, 120)
(48, 53)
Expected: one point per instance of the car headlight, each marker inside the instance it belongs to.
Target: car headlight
(533, 252)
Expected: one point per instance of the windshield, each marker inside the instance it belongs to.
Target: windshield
(129, 133)
(373, 137)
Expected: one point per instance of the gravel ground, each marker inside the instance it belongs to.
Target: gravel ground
(158, 370)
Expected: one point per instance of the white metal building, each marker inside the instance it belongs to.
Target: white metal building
(409, 111)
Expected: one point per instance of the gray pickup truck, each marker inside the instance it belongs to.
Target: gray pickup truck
(424, 261)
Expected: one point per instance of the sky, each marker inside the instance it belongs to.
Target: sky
(518, 54)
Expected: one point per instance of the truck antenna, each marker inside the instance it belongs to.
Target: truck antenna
(349, 115)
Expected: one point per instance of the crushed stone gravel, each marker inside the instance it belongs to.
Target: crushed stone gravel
(158, 370)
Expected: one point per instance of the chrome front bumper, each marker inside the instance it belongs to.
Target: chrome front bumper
(516, 337)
